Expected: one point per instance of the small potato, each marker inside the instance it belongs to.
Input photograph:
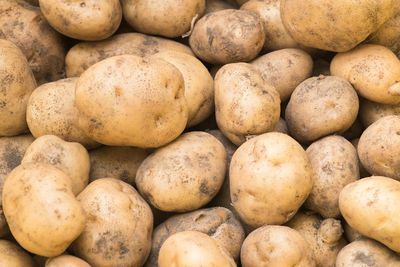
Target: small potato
(373, 70)
(320, 106)
(335, 164)
(284, 69)
(370, 111)
(270, 178)
(195, 249)
(276, 246)
(119, 227)
(12, 255)
(370, 206)
(132, 101)
(244, 103)
(41, 210)
(183, 175)
(51, 110)
(89, 20)
(66, 261)
(227, 36)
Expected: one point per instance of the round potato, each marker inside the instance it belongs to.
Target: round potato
(244, 103)
(270, 178)
(132, 101)
(276, 246)
(66, 261)
(183, 175)
(41, 210)
(12, 255)
(192, 248)
(227, 36)
(320, 106)
(370, 111)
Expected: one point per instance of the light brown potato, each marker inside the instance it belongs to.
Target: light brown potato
(192, 248)
(388, 34)
(276, 246)
(132, 101)
(219, 223)
(323, 235)
(335, 164)
(119, 227)
(41, 44)
(370, 111)
(12, 255)
(227, 36)
(169, 18)
(89, 20)
(270, 178)
(199, 85)
(333, 25)
(351, 234)
(41, 210)
(369, 206)
(217, 5)
(373, 70)
(66, 261)
(69, 157)
(320, 106)
(51, 110)
(284, 69)
(17, 84)
(366, 252)
(183, 175)
(245, 104)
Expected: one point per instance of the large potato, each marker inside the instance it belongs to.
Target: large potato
(370, 111)
(183, 175)
(12, 255)
(66, 261)
(41, 210)
(270, 178)
(132, 101)
(119, 226)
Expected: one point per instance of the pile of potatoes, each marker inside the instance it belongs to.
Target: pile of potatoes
(199, 133)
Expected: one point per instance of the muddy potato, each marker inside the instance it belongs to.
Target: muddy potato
(51, 110)
(217, 5)
(351, 234)
(119, 226)
(284, 69)
(245, 104)
(276, 246)
(227, 36)
(41, 210)
(370, 111)
(85, 54)
(183, 175)
(26, 27)
(388, 34)
(270, 178)
(66, 261)
(132, 101)
(320, 106)
(12, 255)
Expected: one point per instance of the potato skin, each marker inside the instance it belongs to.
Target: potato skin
(227, 36)
(370, 111)
(12, 255)
(119, 227)
(66, 261)
(388, 34)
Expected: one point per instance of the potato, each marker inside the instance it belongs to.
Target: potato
(227, 36)
(132, 101)
(66, 261)
(320, 106)
(284, 69)
(12, 255)
(199, 85)
(351, 234)
(217, 5)
(366, 252)
(270, 178)
(335, 164)
(71, 158)
(373, 70)
(117, 162)
(51, 110)
(244, 103)
(41, 210)
(183, 175)
(334, 25)
(369, 205)
(323, 235)
(17, 84)
(281, 127)
(119, 227)
(192, 248)
(83, 55)
(363, 171)
(370, 111)
(169, 18)
(26, 27)
(388, 34)
(276, 246)
(89, 20)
